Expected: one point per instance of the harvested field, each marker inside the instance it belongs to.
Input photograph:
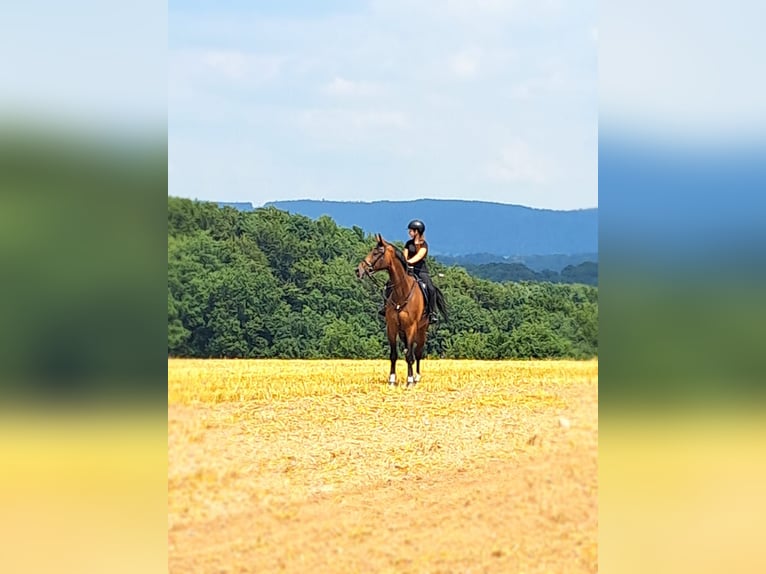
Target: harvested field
(319, 466)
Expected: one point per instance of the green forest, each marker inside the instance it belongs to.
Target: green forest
(267, 283)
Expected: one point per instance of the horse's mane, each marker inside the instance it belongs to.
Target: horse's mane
(400, 258)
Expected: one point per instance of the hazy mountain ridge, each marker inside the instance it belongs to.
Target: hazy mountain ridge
(459, 227)
(585, 273)
(538, 263)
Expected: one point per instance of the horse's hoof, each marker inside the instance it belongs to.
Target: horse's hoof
(392, 384)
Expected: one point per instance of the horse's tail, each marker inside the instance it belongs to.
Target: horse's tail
(441, 304)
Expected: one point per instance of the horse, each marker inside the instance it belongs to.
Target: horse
(405, 306)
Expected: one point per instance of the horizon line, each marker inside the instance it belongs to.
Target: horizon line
(369, 202)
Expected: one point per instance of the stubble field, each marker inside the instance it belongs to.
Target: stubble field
(319, 466)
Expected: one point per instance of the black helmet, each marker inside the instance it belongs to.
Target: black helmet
(417, 225)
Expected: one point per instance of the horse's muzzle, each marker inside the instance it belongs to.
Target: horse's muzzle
(361, 270)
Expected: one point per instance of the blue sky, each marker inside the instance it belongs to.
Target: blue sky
(463, 99)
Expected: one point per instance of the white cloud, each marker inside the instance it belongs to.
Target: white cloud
(346, 126)
(349, 88)
(474, 10)
(231, 64)
(535, 87)
(237, 65)
(359, 119)
(466, 63)
(517, 164)
(474, 14)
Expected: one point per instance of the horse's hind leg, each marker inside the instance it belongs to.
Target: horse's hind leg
(418, 356)
(393, 355)
(410, 359)
(412, 345)
(420, 344)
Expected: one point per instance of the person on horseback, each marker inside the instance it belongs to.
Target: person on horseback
(415, 252)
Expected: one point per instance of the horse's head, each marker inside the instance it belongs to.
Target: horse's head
(379, 258)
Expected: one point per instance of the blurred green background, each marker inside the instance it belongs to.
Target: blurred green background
(82, 253)
(679, 339)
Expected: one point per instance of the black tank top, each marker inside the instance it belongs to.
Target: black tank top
(412, 249)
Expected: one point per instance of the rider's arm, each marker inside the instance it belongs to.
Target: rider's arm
(418, 256)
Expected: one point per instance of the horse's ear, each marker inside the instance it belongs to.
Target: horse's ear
(379, 237)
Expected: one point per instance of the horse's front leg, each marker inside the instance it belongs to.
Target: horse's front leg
(391, 333)
(393, 355)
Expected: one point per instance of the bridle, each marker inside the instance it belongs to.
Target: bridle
(370, 265)
(370, 270)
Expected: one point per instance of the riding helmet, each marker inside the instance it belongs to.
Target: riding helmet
(417, 225)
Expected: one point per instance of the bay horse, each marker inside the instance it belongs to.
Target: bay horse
(405, 306)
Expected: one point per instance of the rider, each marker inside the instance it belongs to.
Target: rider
(415, 252)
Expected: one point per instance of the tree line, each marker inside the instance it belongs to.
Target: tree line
(267, 283)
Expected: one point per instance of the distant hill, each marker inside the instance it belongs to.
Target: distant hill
(585, 273)
(533, 262)
(240, 205)
(456, 227)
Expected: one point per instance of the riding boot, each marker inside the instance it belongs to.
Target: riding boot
(432, 316)
(431, 312)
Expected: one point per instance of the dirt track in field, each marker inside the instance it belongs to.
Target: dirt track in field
(475, 478)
